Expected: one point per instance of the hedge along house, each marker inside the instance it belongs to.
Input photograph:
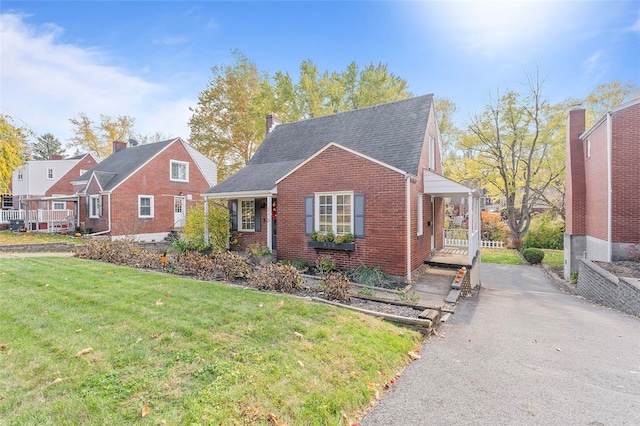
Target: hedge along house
(362, 172)
(143, 192)
(602, 186)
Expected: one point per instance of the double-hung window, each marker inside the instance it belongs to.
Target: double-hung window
(59, 205)
(179, 171)
(50, 174)
(95, 206)
(334, 212)
(145, 206)
(247, 220)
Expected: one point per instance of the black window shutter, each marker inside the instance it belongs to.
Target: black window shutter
(233, 212)
(308, 214)
(258, 216)
(358, 219)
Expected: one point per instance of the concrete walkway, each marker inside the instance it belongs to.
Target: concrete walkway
(521, 353)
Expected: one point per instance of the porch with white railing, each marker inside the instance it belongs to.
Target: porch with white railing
(40, 219)
(459, 237)
(8, 215)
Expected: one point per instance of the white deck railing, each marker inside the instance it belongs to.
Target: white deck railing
(7, 215)
(460, 238)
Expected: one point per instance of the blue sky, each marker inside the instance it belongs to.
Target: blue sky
(150, 59)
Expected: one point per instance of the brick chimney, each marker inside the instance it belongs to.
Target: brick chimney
(118, 145)
(575, 190)
(272, 121)
(55, 157)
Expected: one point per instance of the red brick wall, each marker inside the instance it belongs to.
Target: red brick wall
(596, 211)
(335, 169)
(575, 178)
(625, 176)
(63, 186)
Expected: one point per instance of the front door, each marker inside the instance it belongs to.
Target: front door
(179, 207)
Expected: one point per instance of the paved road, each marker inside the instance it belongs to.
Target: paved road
(521, 353)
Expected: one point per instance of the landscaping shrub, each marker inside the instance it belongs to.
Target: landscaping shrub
(231, 265)
(196, 264)
(301, 265)
(218, 223)
(533, 255)
(373, 276)
(120, 252)
(337, 286)
(275, 277)
(493, 228)
(545, 232)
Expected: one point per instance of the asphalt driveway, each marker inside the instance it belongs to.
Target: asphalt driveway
(521, 352)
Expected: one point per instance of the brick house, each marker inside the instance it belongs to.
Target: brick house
(602, 186)
(143, 191)
(362, 172)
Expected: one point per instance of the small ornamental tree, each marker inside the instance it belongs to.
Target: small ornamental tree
(218, 226)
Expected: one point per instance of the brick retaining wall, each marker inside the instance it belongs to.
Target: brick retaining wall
(600, 286)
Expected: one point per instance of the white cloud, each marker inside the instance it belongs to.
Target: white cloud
(45, 82)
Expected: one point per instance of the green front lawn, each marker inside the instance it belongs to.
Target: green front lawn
(9, 238)
(508, 256)
(553, 257)
(85, 342)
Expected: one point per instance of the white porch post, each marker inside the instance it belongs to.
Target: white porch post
(471, 223)
(269, 222)
(206, 221)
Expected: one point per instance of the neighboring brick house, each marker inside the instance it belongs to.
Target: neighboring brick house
(362, 172)
(603, 186)
(143, 191)
(40, 191)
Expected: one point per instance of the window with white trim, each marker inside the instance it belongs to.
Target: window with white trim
(179, 171)
(59, 205)
(145, 206)
(49, 174)
(334, 212)
(420, 215)
(82, 171)
(95, 206)
(247, 213)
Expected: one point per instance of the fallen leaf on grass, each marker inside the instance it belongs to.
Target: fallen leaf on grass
(78, 330)
(274, 419)
(345, 419)
(298, 335)
(2, 398)
(83, 352)
(57, 380)
(3, 346)
(414, 356)
(281, 304)
(156, 335)
(372, 386)
(159, 302)
(139, 340)
(145, 410)
(301, 363)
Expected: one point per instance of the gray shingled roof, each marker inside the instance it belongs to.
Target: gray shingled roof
(392, 133)
(120, 165)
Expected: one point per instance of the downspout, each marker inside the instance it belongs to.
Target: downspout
(609, 189)
(269, 222)
(109, 216)
(408, 219)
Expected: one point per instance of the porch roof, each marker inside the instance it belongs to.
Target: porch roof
(440, 186)
(52, 198)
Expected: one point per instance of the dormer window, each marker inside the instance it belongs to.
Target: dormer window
(179, 171)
